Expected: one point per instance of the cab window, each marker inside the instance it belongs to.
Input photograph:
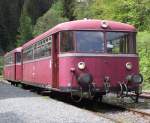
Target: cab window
(66, 41)
(120, 42)
(90, 41)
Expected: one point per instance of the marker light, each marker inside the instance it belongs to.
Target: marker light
(129, 65)
(81, 65)
(104, 24)
(136, 78)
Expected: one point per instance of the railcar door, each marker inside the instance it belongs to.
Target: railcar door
(18, 72)
(55, 61)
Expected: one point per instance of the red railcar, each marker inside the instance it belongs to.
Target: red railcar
(87, 58)
(12, 65)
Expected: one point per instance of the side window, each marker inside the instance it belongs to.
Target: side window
(18, 57)
(28, 53)
(48, 46)
(43, 48)
(9, 59)
(66, 41)
(24, 54)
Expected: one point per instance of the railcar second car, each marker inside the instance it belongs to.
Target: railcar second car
(12, 66)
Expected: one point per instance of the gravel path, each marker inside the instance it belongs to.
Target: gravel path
(21, 106)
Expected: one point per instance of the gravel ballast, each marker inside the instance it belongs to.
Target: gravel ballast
(21, 106)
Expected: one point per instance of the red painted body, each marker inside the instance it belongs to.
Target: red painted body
(18, 72)
(9, 72)
(54, 71)
(99, 66)
(13, 70)
(37, 72)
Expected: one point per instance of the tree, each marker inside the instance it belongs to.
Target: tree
(68, 9)
(134, 12)
(51, 18)
(82, 10)
(25, 29)
(36, 8)
(9, 23)
(98, 9)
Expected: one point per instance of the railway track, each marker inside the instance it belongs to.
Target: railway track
(102, 112)
(145, 95)
(136, 108)
(134, 111)
(143, 114)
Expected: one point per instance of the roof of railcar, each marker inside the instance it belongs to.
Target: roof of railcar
(18, 49)
(83, 25)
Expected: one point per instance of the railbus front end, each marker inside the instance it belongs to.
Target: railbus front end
(95, 62)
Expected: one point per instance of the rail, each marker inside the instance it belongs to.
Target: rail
(145, 95)
(138, 112)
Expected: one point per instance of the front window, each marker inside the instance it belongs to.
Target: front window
(98, 42)
(67, 41)
(89, 41)
(120, 42)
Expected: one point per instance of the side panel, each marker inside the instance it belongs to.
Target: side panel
(9, 72)
(18, 72)
(37, 72)
(43, 71)
(28, 72)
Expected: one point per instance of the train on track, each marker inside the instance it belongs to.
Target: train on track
(84, 58)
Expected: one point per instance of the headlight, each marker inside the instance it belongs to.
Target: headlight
(137, 78)
(81, 65)
(129, 65)
(84, 79)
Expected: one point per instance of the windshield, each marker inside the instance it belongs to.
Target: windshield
(89, 41)
(120, 42)
(98, 42)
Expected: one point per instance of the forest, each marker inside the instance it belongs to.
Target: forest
(22, 20)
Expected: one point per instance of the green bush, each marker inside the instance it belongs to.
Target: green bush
(143, 45)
